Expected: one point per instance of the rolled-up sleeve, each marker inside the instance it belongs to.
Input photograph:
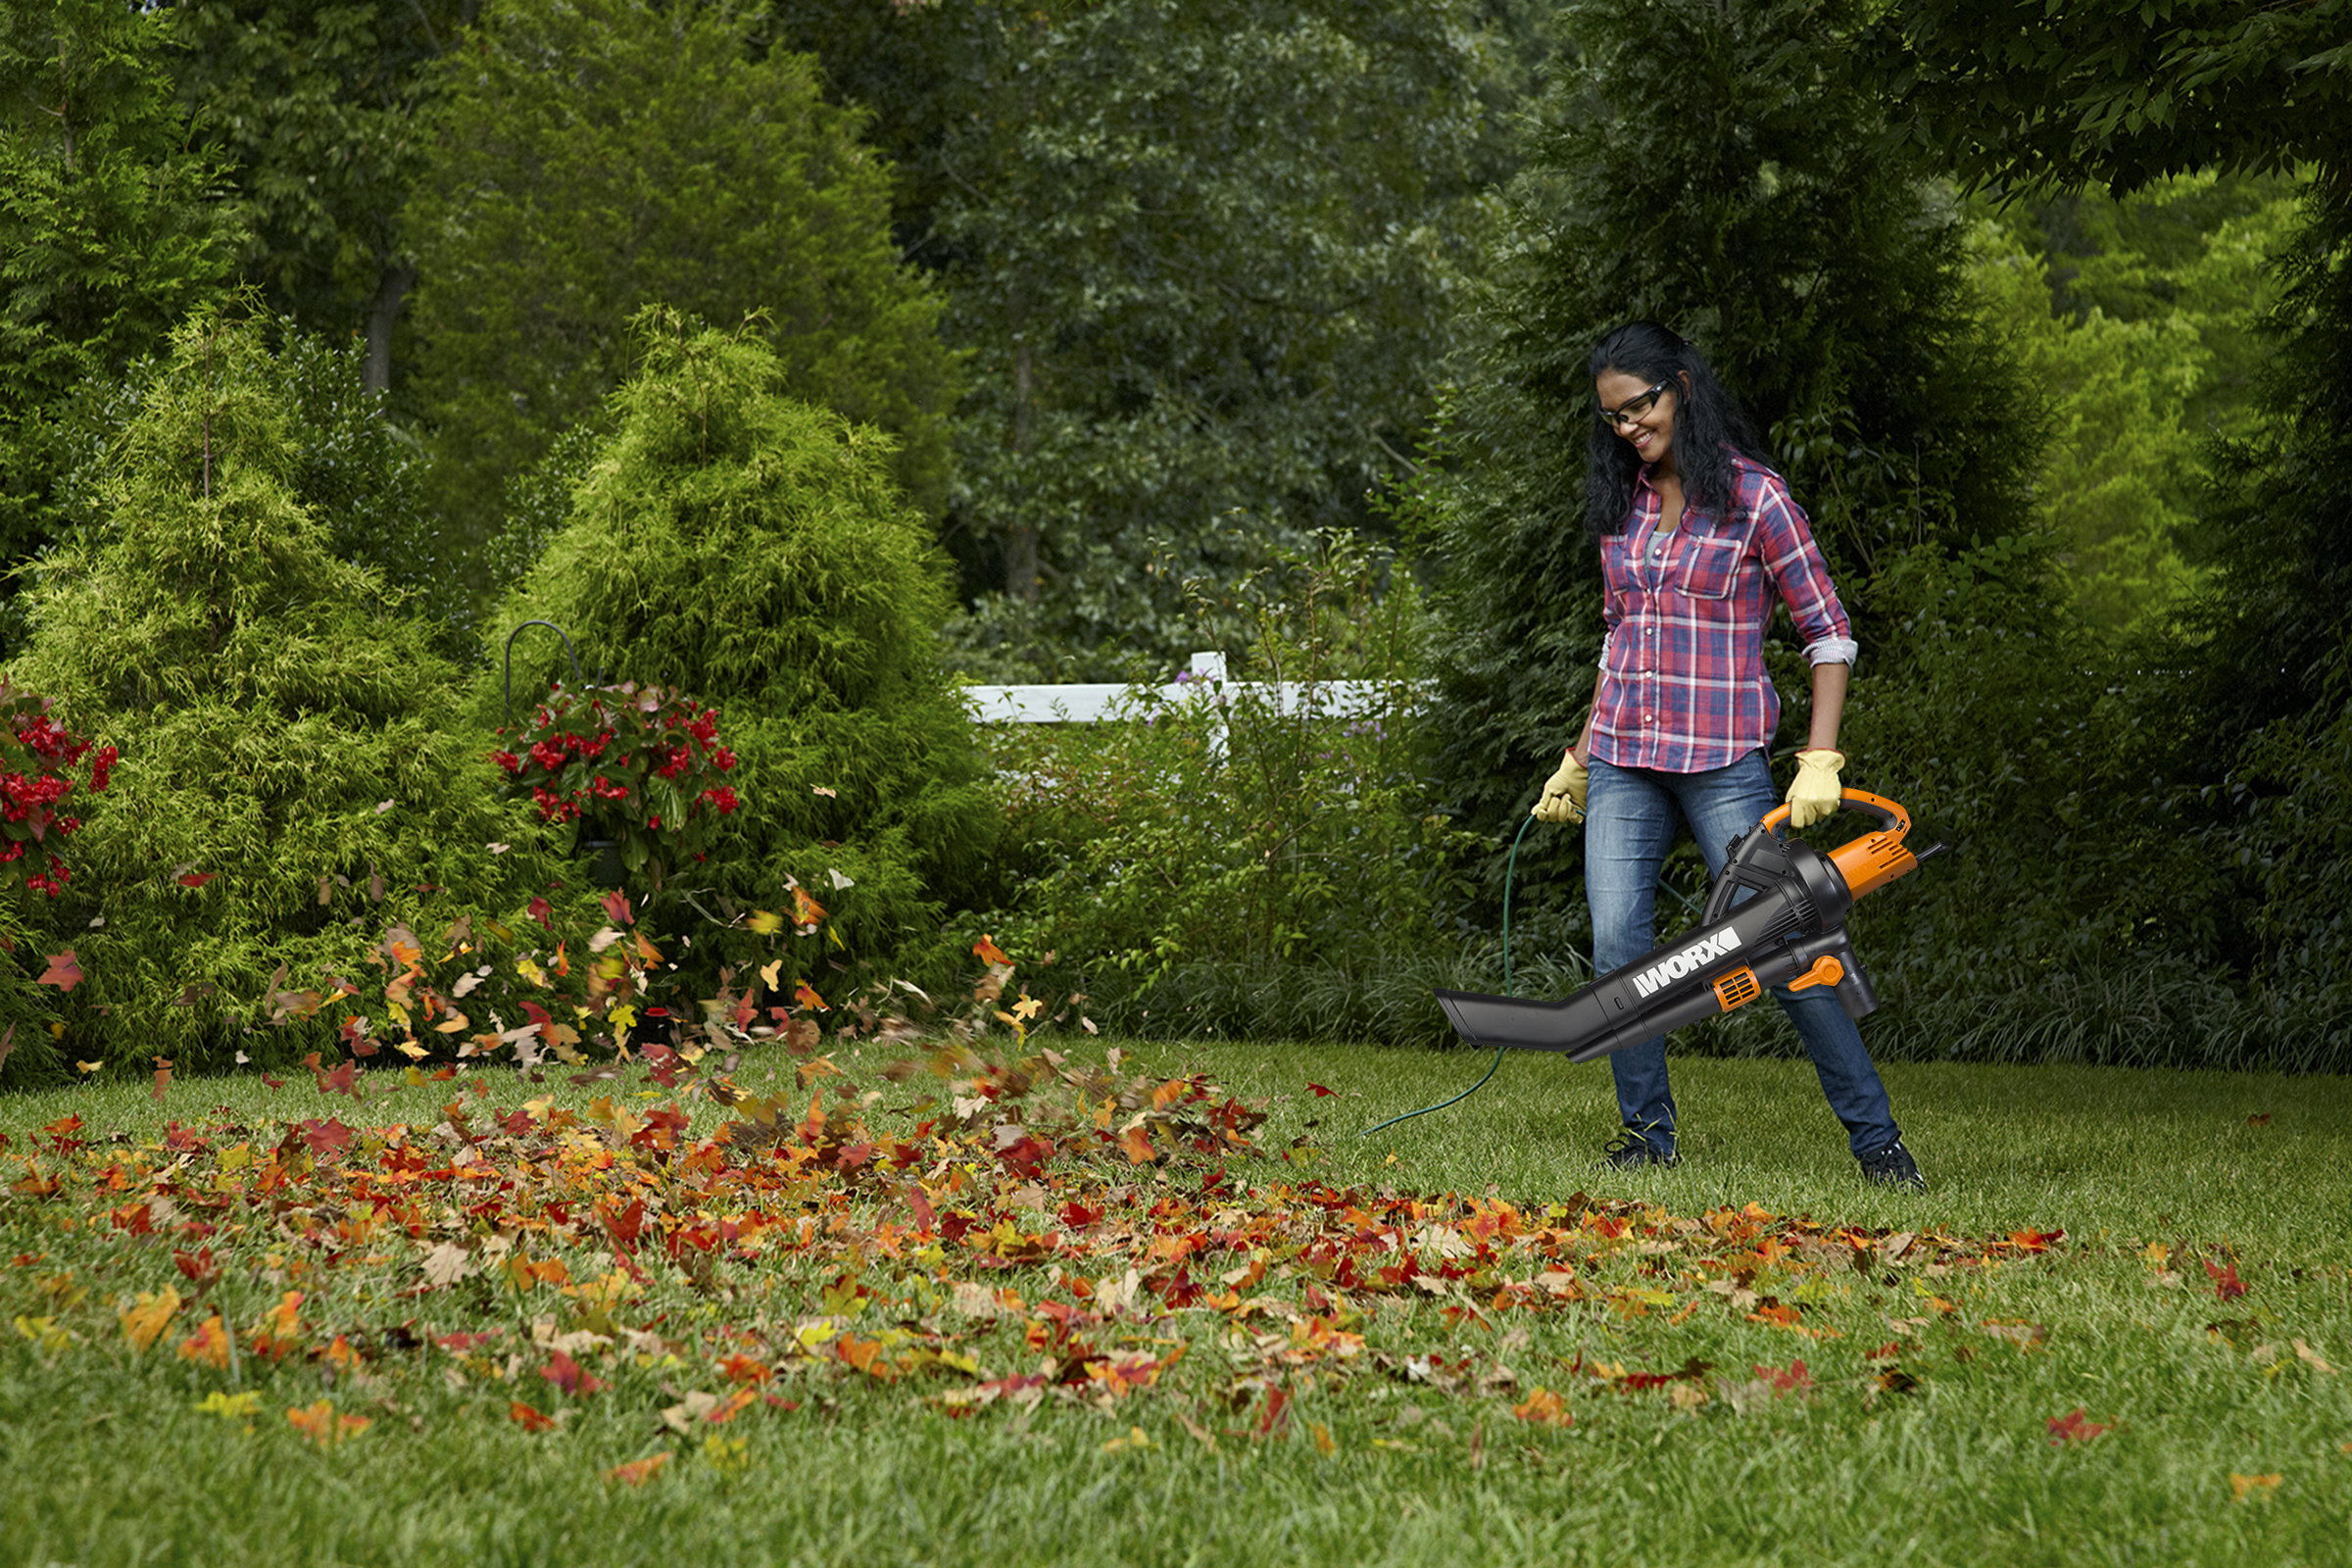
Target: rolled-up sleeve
(1793, 559)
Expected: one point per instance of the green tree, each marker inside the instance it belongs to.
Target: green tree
(292, 776)
(1204, 257)
(110, 231)
(1712, 167)
(752, 550)
(312, 107)
(587, 158)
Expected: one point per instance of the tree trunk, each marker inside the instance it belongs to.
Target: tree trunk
(1020, 538)
(390, 292)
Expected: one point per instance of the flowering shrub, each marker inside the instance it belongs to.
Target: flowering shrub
(638, 766)
(38, 759)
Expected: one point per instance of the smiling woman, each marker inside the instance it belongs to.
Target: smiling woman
(1698, 539)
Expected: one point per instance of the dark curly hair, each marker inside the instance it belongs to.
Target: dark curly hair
(1709, 426)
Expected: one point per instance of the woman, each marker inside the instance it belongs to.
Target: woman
(1696, 537)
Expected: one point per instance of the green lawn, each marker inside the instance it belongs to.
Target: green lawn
(1292, 1416)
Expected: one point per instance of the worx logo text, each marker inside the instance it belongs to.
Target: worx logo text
(1700, 952)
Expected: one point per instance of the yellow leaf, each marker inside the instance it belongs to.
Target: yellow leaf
(44, 1332)
(769, 971)
(766, 923)
(2241, 1485)
(411, 1050)
(143, 1322)
(231, 1406)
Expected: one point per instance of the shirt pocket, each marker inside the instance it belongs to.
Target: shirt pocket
(1710, 567)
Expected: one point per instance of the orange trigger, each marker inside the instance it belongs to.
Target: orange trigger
(1826, 971)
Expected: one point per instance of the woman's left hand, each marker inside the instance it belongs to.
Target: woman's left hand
(1816, 792)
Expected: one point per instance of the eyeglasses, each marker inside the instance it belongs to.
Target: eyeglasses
(1632, 409)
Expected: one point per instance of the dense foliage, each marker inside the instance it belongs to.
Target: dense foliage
(108, 231)
(587, 159)
(1258, 856)
(1204, 258)
(291, 775)
(737, 544)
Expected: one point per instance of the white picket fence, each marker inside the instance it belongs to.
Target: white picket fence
(1093, 703)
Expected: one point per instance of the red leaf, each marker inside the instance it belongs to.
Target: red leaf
(616, 905)
(569, 1376)
(2071, 1427)
(539, 910)
(197, 879)
(529, 1419)
(2226, 1283)
(989, 951)
(63, 971)
(1320, 1090)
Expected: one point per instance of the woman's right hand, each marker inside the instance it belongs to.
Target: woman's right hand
(1563, 798)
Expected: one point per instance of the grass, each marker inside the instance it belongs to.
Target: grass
(2151, 1175)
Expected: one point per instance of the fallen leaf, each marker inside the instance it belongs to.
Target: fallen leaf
(2075, 1427)
(2241, 1486)
(143, 1322)
(1544, 1408)
(529, 1417)
(637, 1472)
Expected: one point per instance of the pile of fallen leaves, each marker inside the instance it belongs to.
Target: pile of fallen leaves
(1033, 1229)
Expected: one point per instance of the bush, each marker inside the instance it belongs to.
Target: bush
(291, 776)
(1262, 859)
(752, 551)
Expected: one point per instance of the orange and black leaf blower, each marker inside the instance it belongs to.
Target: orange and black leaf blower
(1789, 931)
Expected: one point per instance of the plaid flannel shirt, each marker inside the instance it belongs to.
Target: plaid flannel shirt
(1682, 687)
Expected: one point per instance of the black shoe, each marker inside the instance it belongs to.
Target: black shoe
(1631, 1152)
(1894, 1166)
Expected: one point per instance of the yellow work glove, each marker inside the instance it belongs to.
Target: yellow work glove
(1563, 793)
(1815, 793)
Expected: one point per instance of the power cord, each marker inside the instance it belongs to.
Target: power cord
(1509, 871)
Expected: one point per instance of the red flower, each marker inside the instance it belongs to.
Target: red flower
(508, 760)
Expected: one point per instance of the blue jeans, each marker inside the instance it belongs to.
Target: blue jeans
(1629, 818)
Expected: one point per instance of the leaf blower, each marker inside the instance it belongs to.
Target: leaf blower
(1789, 931)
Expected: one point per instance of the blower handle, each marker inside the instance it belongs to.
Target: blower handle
(1892, 817)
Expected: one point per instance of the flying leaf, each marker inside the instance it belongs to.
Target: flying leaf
(987, 951)
(529, 1419)
(2226, 1283)
(231, 1406)
(163, 1079)
(197, 879)
(806, 994)
(805, 910)
(837, 879)
(63, 972)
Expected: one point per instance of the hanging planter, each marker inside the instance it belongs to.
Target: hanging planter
(639, 771)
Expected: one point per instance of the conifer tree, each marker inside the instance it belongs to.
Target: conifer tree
(292, 778)
(753, 549)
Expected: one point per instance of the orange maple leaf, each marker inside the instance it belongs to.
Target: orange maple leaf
(637, 1472)
(319, 1423)
(1544, 1408)
(987, 951)
(210, 1344)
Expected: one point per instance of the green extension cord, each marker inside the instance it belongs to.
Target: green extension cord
(1510, 869)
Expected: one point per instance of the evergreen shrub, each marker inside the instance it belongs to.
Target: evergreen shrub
(293, 777)
(752, 550)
